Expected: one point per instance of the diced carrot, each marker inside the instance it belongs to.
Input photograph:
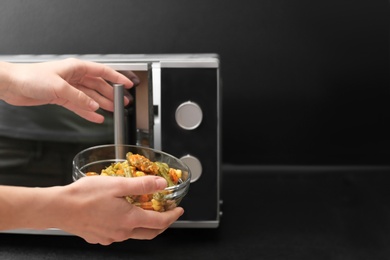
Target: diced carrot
(144, 198)
(173, 175)
(146, 205)
(91, 174)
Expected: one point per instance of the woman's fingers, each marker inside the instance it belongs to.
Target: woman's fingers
(103, 71)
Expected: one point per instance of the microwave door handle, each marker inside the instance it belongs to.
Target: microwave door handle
(119, 115)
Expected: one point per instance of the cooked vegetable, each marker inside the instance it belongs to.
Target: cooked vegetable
(142, 163)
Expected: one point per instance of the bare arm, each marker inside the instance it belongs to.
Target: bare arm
(80, 86)
(93, 208)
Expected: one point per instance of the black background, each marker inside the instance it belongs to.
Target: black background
(304, 82)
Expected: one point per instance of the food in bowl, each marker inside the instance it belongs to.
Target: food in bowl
(135, 161)
(138, 165)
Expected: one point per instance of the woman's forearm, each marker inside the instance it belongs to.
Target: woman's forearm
(29, 208)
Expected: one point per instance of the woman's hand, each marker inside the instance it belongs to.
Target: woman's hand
(78, 85)
(97, 211)
(101, 214)
(93, 208)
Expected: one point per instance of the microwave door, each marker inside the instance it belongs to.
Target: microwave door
(138, 115)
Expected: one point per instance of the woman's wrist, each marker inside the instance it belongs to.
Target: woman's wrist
(5, 78)
(30, 208)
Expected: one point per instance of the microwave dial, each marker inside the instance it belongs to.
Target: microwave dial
(189, 115)
(194, 165)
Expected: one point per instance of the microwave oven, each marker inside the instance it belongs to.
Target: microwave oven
(177, 109)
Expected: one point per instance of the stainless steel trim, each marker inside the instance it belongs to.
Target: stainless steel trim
(177, 224)
(169, 60)
(156, 79)
(189, 64)
(128, 66)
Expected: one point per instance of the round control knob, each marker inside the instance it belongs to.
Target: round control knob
(189, 115)
(195, 166)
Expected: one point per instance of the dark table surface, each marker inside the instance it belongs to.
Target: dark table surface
(291, 213)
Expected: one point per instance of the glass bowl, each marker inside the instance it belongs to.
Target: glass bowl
(119, 161)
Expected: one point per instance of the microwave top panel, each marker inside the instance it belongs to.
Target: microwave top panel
(202, 60)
